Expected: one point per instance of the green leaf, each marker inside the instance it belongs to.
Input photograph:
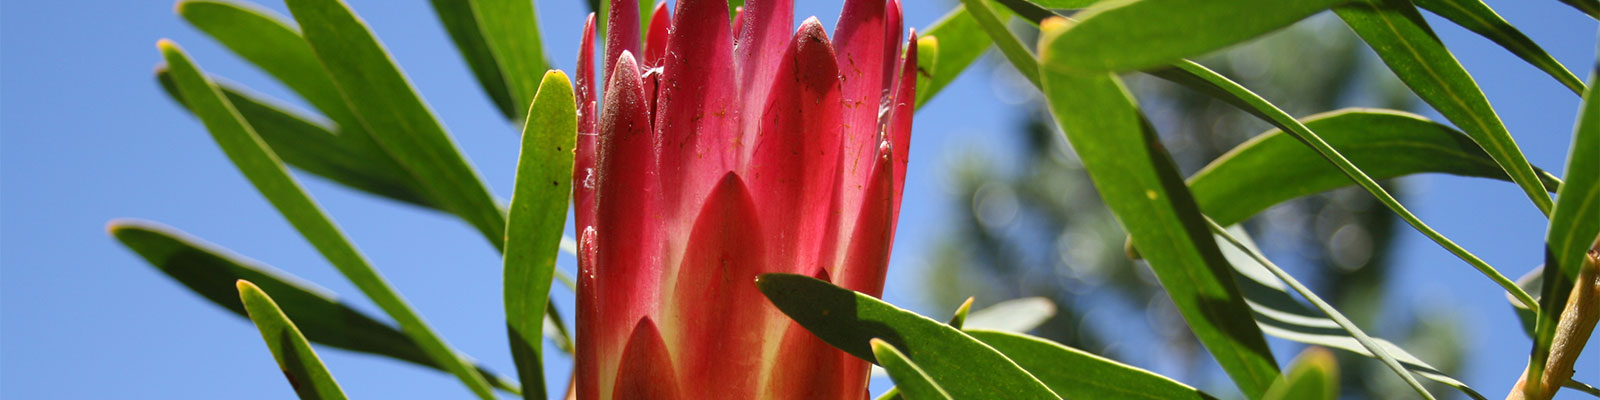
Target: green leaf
(1280, 314)
(1397, 32)
(538, 214)
(210, 272)
(1210, 83)
(927, 66)
(848, 320)
(961, 42)
(1313, 375)
(316, 149)
(387, 106)
(1574, 227)
(1116, 36)
(264, 39)
(1136, 178)
(1015, 315)
(1274, 167)
(1252, 257)
(500, 41)
(908, 377)
(1077, 374)
(1012, 48)
(295, 357)
(267, 173)
(1478, 17)
(960, 317)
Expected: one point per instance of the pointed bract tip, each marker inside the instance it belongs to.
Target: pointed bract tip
(554, 74)
(244, 285)
(166, 45)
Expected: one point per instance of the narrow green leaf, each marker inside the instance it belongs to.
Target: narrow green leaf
(267, 41)
(848, 320)
(961, 42)
(211, 271)
(267, 173)
(1274, 167)
(960, 317)
(1531, 282)
(299, 362)
(1077, 374)
(316, 149)
(1253, 256)
(387, 106)
(1397, 32)
(1313, 375)
(908, 377)
(1015, 315)
(1574, 227)
(927, 66)
(500, 41)
(1061, 4)
(1280, 314)
(1012, 48)
(1036, 10)
(538, 213)
(1137, 180)
(1204, 80)
(462, 24)
(1478, 17)
(1116, 36)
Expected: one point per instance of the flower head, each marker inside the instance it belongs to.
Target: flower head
(723, 151)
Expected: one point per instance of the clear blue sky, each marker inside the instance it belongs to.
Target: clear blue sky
(87, 136)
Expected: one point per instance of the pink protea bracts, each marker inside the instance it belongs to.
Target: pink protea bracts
(730, 150)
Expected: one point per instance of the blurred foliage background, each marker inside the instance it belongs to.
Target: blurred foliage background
(1028, 222)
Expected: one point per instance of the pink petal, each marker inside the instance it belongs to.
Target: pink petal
(901, 109)
(646, 369)
(696, 119)
(867, 253)
(796, 153)
(583, 155)
(628, 222)
(807, 368)
(655, 44)
(586, 366)
(891, 42)
(622, 32)
(859, 40)
(764, 31)
(716, 312)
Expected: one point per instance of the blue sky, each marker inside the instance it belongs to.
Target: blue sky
(87, 136)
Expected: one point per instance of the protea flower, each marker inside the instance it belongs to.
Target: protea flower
(726, 151)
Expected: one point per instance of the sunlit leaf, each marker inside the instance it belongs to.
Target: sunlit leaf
(961, 42)
(384, 101)
(848, 320)
(1280, 314)
(1246, 253)
(1077, 374)
(311, 147)
(1116, 36)
(908, 377)
(300, 364)
(1478, 17)
(1136, 178)
(537, 216)
(267, 173)
(1397, 32)
(995, 27)
(1574, 226)
(1274, 167)
(1313, 375)
(500, 41)
(1015, 315)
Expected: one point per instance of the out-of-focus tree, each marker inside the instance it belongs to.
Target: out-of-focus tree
(1028, 221)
